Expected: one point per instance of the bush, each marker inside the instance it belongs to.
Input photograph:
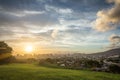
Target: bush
(114, 68)
(7, 60)
(92, 63)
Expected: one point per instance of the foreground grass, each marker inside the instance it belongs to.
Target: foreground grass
(34, 72)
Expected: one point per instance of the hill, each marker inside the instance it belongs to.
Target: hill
(108, 53)
(34, 72)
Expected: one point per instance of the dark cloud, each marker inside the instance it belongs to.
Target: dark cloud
(108, 19)
(7, 19)
(10, 23)
(16, 5)
(115, 38)
(12, 9)
(80, 5)
(42, 20)
(16, 16)
(115, 41)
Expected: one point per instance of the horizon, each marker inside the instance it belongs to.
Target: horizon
(52, 26)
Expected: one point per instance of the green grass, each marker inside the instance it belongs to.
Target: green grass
(34, 72)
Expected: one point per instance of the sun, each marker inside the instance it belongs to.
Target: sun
(29, 48)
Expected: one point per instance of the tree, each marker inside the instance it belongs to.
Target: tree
(5, 52)
(114, 68)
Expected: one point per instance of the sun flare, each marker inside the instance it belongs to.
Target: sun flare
(29, 48)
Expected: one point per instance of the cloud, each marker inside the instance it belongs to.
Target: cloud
(114, 41)
(51, 22)
(54, 33)
(58, 10)
(25, 13)
(79, 5)
(114, 38)
(17, 5)
(108, 19)
(77, 22)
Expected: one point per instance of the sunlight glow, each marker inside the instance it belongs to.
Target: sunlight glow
(29, 48)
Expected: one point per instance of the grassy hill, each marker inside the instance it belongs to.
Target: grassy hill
(34, 72)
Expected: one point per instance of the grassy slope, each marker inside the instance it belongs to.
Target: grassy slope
(33, 72)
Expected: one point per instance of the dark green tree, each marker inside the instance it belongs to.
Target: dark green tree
(5, 52)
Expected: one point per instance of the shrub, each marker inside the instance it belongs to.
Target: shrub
(114, 68)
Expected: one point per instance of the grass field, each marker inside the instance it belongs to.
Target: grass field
(34, 72)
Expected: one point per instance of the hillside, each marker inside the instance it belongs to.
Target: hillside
(108, 53)
(34, 72)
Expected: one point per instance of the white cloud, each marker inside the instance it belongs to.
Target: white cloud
(54, 33)
(79, 22)
(24, 13)
(58, 10)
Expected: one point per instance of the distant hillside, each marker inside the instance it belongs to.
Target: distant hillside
(111, 52)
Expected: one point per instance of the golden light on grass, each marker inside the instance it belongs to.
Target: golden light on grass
(29, 48)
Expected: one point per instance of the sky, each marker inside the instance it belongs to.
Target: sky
(85, 26)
